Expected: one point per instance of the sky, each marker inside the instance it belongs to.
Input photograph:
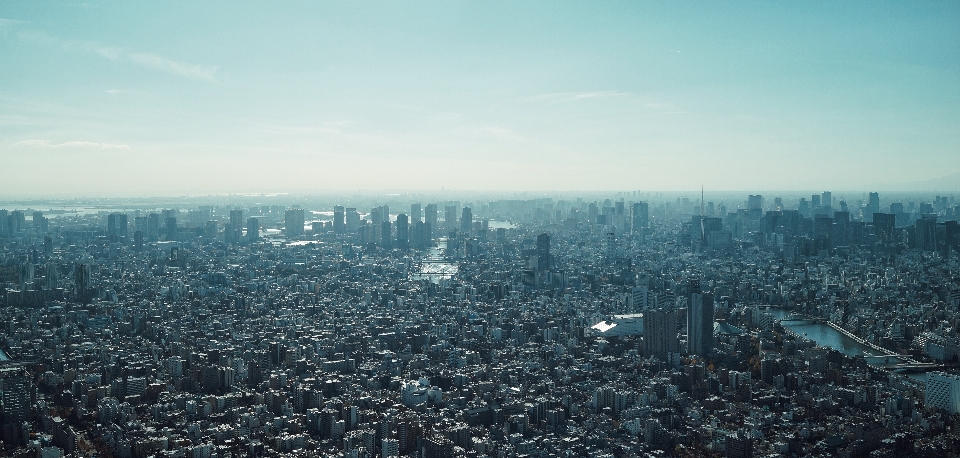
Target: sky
(196, 98)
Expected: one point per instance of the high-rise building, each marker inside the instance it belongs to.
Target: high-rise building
(755, 202)
(16, 394)
(466, 220)
(826, 202)
(885, 226)
(116, 226)
(293, 222)
(416, 213)
(543, 252)
(430, 218)
(235, 229)
(352, 218)
(640, 214)
(873, 206)
(660, 334)
(138, 241)
(699, 321)
(943, 391)
(402, 231)
(385, 234)
(253, 229)
(450, 217)
(339, 223)
(153, 227)
(171, 228)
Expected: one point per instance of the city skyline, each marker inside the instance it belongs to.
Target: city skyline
(109, 99)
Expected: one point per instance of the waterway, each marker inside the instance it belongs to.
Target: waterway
(3, 356)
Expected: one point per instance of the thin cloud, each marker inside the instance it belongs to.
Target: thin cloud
(560, 97)
(146, 59)
(200, 72)
(70, 144)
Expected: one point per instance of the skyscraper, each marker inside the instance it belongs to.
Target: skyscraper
(466, 220)
(116, 226)
(430, 218)
(339, 223)
(543, 252)
(235, 228)
(450, 217)
(640, 214)
(699, 321)
(660, 334)
(943, 391)
(253, 229)
(385, 234)
(416, 213)
(16, 394)
(153, 227)
(293, 222)
(402, 231)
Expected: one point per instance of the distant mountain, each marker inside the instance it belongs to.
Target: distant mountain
(949, 183)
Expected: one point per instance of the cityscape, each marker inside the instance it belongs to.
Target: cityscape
(637, 324)
(497, 229)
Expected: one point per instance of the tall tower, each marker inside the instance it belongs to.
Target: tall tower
(430, 217)
(640, 214)
(450, 217)
(16, 393)
(403, 229)
(466, 220)
(339, 223)
(293, 222)
(543, 252)
(660, 334)
(416, 213)
(699, 321)
(253, 229)
(236, 226)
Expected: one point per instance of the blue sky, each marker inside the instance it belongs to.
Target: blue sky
(174, 98)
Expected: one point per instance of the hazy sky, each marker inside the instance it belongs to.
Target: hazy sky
(174, 98)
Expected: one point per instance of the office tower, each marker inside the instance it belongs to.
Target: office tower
(593, 212)
(430, 218)
(171, 228)
(16, 393)
(385, 234)
(826, 201)
(17, 222)
(47, 246)
(640, 214)
(210, 230)
(755, 202)
(873, 206)
(138, 241)
(450, 217)
(339, 221)
(52, 276)
(116, 226)
(884, 226)
(416, 213)
(153, 227)
(402, 231)
(543, 252)
(943, 391)
(660, 334)
(466, 220)
(352, 220)
(235, 228)
(40, 222)
(815, 203)
(81, 282)
(293, 222)
(699, 321)
(253, 229)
